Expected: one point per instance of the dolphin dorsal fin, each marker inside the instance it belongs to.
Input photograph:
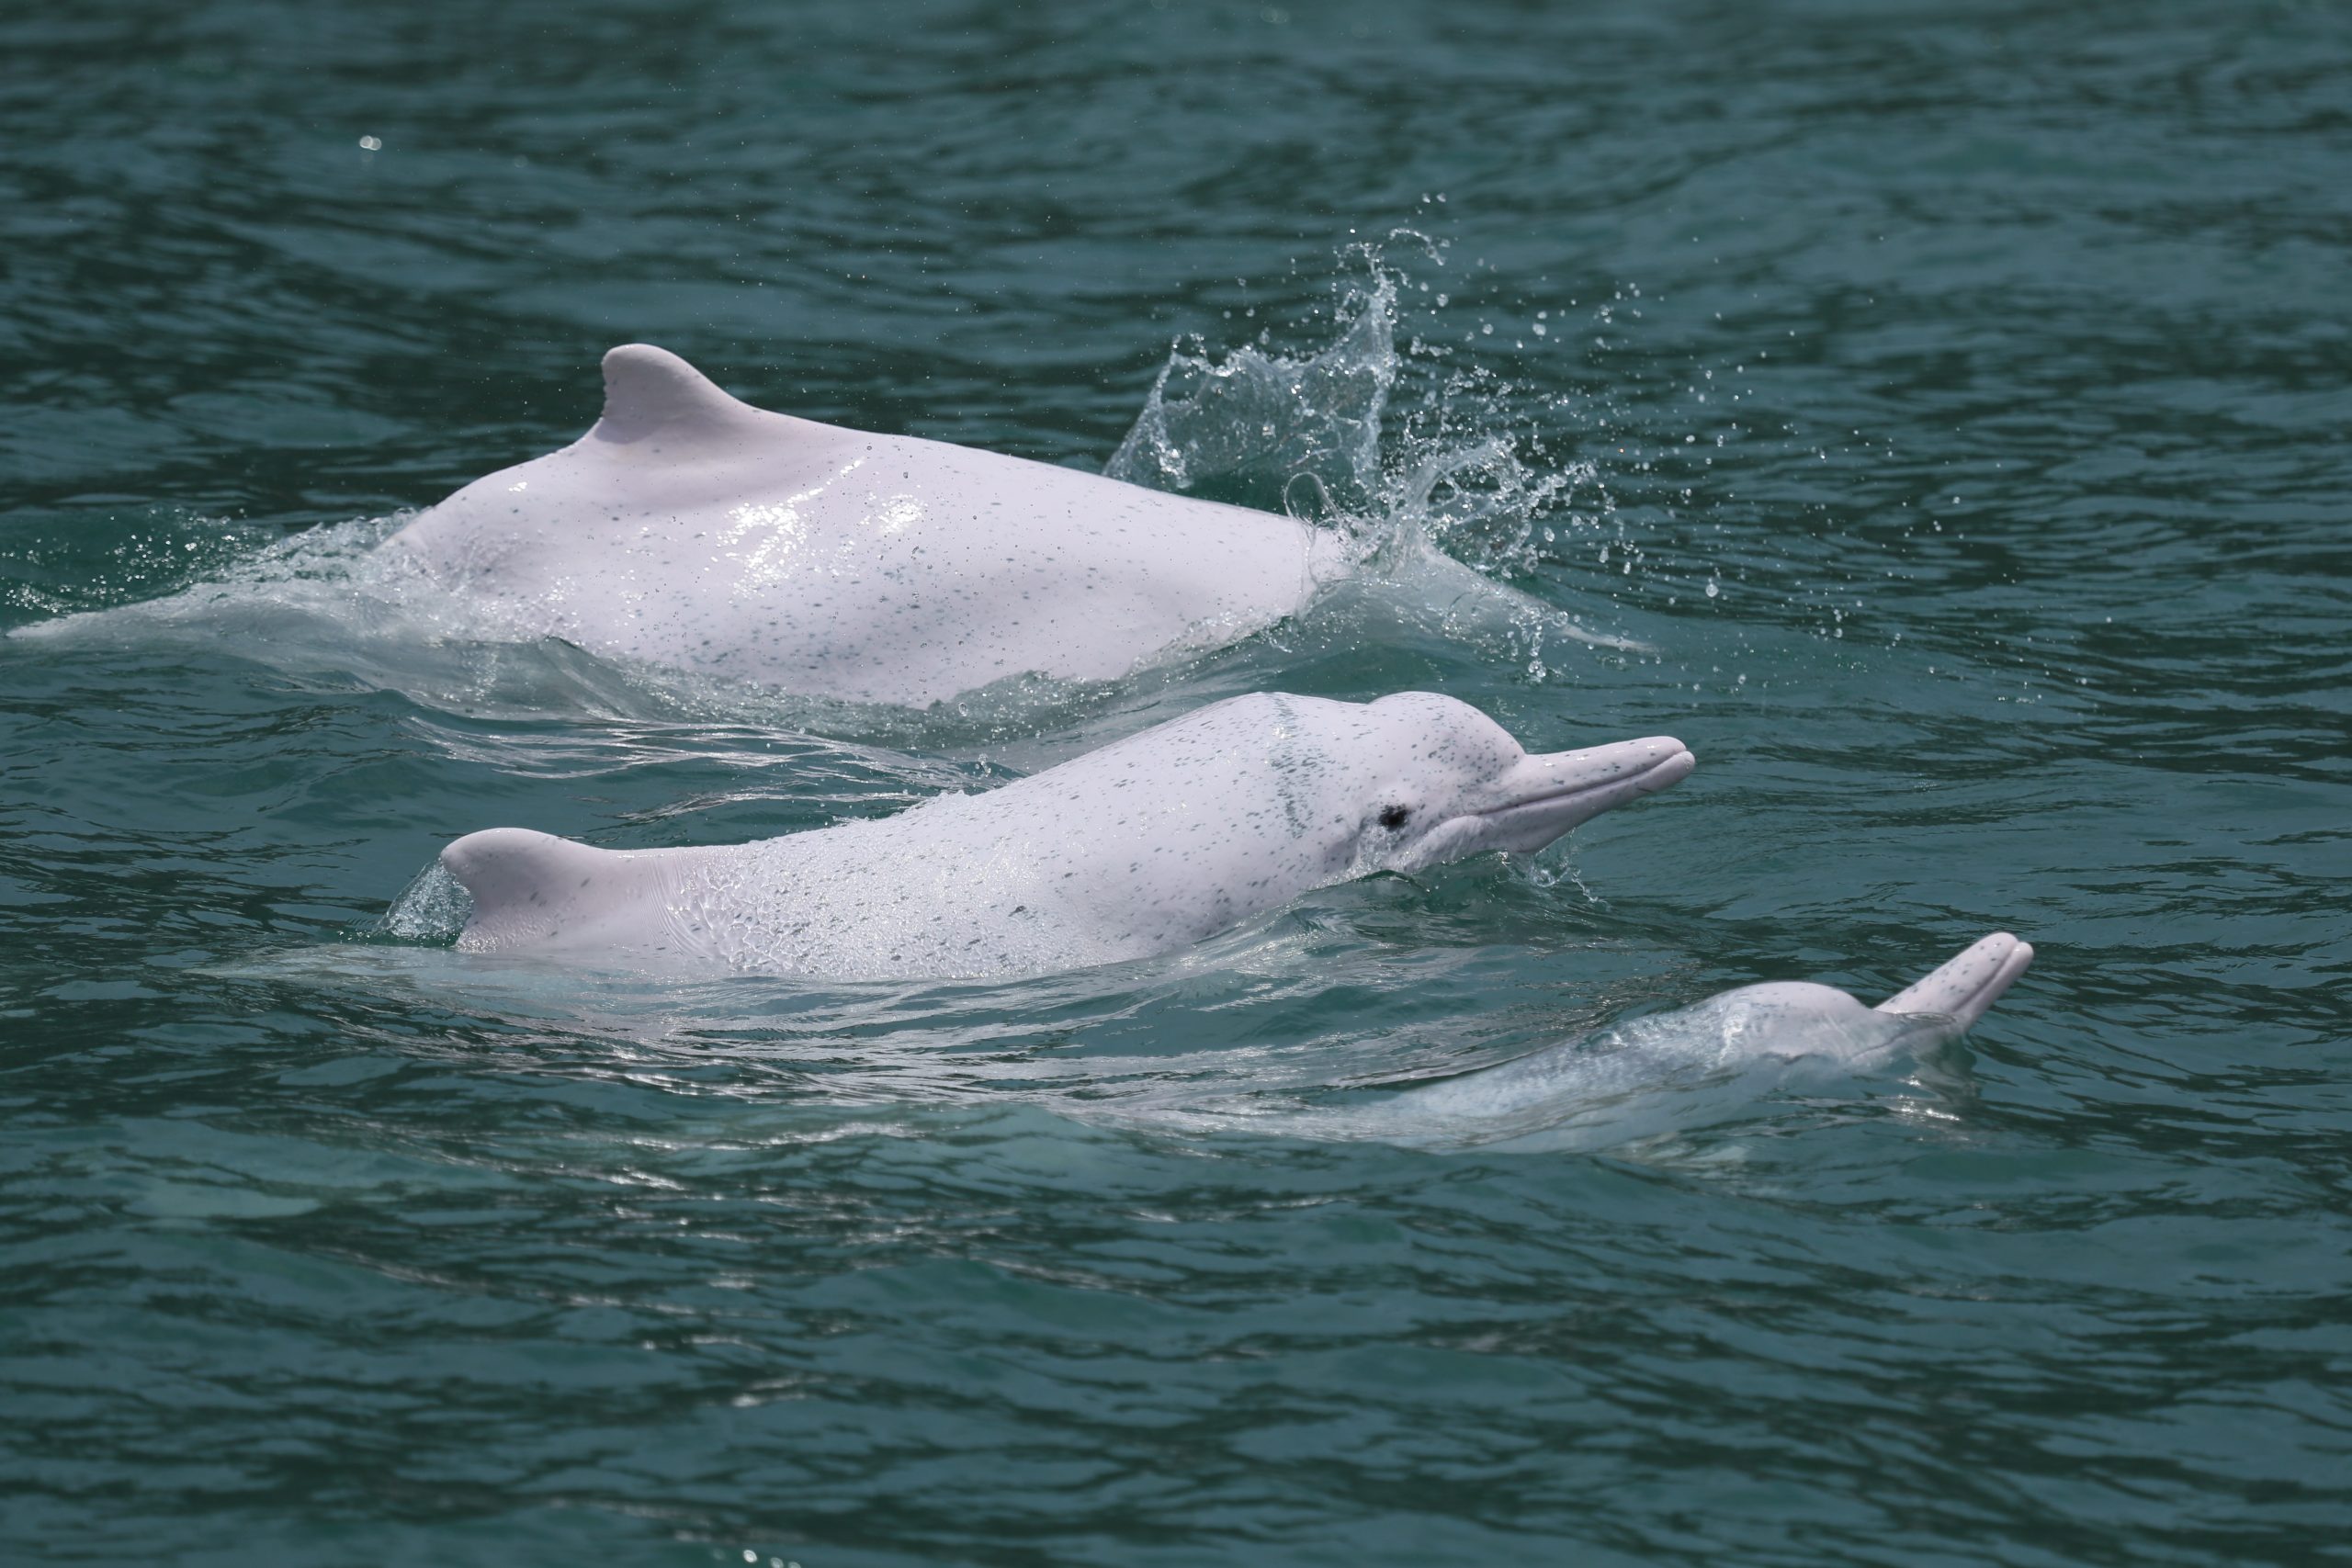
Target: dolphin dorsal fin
(650, 393)
(529, 888)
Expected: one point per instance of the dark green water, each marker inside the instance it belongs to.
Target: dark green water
(1954, 401)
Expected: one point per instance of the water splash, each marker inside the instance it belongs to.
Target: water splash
(1309, 435)
(432, 908)
(1488, 506)
(1425, 488)
(1260, 429)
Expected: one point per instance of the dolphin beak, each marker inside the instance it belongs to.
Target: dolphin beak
(1542, 796)
(1964, 988)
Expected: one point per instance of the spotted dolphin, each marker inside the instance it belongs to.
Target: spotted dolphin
(1141, 847)
(1612, 1086)
(692, 530)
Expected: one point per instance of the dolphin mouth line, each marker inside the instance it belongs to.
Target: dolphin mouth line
(1996, 981)
(1964, 988)
(1665, 770)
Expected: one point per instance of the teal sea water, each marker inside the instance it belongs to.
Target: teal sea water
(1951, 401)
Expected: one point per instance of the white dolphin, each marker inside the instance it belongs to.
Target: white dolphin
(1606, 1089)
(692, 530)
(1143, 846)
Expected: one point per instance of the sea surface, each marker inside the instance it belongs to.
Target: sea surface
(1944, 409)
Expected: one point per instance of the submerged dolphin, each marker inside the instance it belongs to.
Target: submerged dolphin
(1607, 1089)
(1145, 845)
(689, 529)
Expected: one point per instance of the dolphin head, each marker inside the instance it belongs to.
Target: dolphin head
(1798, 1019)
(1439, 781)
(1624, 1081)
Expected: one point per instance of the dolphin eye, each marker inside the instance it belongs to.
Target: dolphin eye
(1394, 815)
